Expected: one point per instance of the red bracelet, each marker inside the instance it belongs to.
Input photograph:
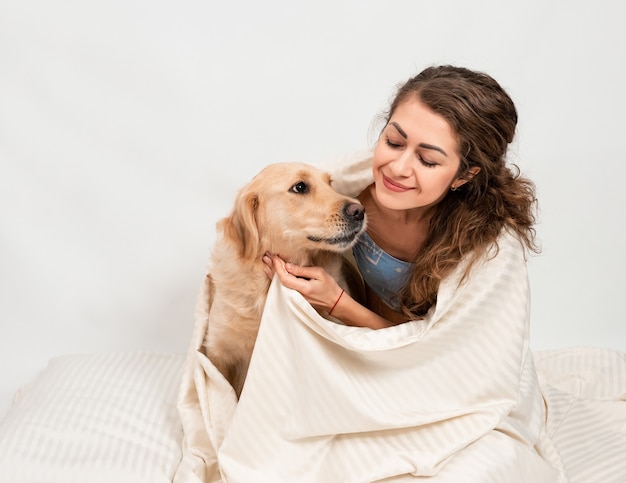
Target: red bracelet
(336, 302)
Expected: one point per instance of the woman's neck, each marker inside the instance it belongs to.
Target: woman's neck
(401, 233)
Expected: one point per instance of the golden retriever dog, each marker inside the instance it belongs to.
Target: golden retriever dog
(289, 209)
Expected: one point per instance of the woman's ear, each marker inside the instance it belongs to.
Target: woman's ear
(468, 175)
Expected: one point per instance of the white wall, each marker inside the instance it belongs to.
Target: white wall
(126, 127)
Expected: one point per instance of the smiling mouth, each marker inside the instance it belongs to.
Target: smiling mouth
(390, 184)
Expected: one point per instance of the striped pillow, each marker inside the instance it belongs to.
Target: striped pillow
(96, 418)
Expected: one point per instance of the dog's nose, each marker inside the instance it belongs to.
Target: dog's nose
(354, 211)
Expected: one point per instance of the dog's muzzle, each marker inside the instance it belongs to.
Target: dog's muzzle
(354, 216)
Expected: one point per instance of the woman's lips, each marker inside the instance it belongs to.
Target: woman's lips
(393, 186)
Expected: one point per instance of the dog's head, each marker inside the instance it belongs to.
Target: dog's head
(291, 209)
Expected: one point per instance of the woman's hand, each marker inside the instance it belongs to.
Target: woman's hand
(314, 283)
(324, 293)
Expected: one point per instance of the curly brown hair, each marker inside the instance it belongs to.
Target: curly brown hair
(469, 220)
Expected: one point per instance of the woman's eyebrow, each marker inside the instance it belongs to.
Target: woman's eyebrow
(421, 145)
(400, 130)
(435, 148)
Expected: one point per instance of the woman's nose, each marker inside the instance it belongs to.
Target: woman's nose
(402, 165)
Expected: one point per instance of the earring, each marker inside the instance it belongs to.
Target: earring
(453, 188)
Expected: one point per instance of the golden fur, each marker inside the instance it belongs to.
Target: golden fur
(289, 209)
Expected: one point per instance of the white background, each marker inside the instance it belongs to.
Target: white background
(126, 127)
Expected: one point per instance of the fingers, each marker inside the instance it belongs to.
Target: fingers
(289, 274)
(309, 273)
(314, 283)
(275, 265)
(268, 267)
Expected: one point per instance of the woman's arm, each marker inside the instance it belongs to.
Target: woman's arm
(324, 293)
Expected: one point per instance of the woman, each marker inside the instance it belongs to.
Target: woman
(448, 388)
(442, 194)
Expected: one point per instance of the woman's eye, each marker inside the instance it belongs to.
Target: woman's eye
(300, 187)
(391, 144)
(428, 164)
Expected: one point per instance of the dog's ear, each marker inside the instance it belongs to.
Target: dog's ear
(241, 226)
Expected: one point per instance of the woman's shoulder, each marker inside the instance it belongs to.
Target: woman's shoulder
(499, 271)
(510, 244)
(506, 254)
(505, 261)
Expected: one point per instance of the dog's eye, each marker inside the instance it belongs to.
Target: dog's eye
(300, 187)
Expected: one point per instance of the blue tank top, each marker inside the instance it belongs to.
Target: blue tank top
(384, 274)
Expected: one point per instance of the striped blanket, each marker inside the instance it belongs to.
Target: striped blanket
(454, 397)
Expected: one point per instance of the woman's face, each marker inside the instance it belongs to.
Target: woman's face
(416, 159)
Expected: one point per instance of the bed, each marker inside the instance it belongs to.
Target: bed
(113, 417)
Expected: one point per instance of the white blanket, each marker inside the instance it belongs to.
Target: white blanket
(454, 397)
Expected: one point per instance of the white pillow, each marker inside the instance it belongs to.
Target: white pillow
(95, 418)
